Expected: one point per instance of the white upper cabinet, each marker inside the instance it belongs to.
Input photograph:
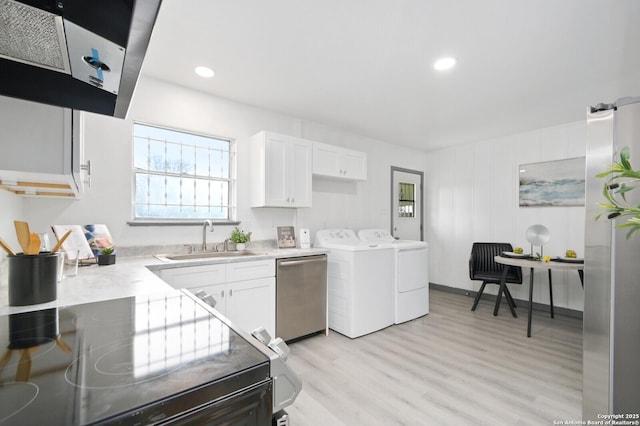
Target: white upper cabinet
(280, 171)
(42, 149)
(341, 163)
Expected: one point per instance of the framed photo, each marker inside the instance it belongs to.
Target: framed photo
(286, 237)
(553, 183)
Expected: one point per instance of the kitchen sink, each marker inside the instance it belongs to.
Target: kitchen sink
(207, 255)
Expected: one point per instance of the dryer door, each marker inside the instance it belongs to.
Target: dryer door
(413, 269)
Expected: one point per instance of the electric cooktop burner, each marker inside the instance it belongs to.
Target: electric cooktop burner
(94, 363)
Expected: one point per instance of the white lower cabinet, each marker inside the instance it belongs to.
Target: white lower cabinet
(251, 304)
(245, 292)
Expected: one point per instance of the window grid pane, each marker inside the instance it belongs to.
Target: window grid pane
(180, 175)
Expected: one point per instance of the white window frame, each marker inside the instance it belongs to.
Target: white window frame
(232, 182)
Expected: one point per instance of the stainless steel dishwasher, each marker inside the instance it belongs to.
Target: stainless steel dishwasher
(301, 296)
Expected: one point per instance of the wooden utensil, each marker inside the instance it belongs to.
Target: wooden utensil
(34, 244)
(23, 374)
(60, 241)
(6, 247)
(23, 233)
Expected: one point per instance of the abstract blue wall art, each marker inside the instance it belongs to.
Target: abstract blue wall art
(553, 183)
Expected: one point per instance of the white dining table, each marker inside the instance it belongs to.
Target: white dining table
(533, 264)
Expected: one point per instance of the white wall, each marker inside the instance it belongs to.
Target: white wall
(472, 195)
(108, 146)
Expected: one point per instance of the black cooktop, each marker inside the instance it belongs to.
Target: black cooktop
(111, 360)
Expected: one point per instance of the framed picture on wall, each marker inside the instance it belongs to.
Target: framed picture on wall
(286, 237)
(552, 183)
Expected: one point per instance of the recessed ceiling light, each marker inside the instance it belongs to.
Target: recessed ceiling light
(444, 63)
(205, 72)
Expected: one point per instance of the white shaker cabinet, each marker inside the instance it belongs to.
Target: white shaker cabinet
(245, 292)
(280, 171)
(335, 162)
(42, 149)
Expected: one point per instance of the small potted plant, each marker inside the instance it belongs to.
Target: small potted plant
(107, 256)
(240, 237)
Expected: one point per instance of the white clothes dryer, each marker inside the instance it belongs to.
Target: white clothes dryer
(360, 282)
(411, 273)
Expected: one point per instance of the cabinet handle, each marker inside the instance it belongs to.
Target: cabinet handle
(231, 292)
(87, 168)
(222, 294)
(293, 200)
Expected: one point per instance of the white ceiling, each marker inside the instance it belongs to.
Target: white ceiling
(366, 65)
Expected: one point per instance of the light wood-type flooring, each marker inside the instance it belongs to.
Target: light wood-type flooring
(450, 367)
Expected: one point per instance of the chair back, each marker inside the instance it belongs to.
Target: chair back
(482, 265)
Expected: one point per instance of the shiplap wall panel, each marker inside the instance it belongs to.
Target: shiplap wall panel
(484, 186)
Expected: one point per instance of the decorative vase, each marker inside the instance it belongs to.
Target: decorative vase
(106, 259)
(241, 246)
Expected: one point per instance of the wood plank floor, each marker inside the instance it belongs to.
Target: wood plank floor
(450, 367)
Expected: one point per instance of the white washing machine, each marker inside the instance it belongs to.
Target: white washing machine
(360, 281)
(411, 273)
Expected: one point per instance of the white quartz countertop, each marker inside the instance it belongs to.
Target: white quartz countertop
(129, 276)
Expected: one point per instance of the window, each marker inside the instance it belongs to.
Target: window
(179, 175)
(407, 200)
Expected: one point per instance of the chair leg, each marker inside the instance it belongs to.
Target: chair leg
(511, 302)
(477, 299)
(550, 294)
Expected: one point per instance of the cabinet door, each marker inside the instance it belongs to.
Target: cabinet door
(299, 178)
(42, 158)
(194, 276)
(276, 185)
(326, 160)
(218, 294)
(354, 165)
(251, 304)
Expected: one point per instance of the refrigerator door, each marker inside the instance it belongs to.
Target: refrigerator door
(611, 371)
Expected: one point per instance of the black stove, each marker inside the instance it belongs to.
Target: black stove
(138, 360)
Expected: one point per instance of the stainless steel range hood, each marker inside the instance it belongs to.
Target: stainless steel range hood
(80, 54)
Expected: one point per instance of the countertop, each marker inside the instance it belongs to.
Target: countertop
(129, 276)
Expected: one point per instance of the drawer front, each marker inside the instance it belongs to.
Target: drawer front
(242, 271)
(194, 276)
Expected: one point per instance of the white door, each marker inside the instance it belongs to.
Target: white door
(406, 204)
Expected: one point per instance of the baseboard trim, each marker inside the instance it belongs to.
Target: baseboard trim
(519, 302)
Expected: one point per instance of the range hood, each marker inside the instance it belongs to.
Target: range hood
(79, 54)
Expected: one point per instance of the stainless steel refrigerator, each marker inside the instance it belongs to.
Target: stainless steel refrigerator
(611, 352)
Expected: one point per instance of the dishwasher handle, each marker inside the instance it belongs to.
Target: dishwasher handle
(287, 262)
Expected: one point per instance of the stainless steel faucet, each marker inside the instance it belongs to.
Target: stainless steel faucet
(204, 233)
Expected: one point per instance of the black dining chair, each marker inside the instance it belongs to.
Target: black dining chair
(483, 267)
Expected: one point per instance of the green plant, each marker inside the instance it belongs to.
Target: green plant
(239, 236)
(107, 250)
(622, 179)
